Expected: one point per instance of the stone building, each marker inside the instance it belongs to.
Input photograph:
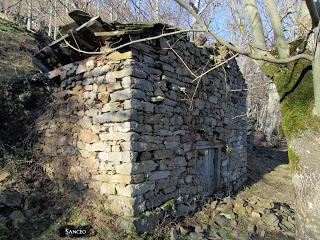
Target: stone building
(136, 126)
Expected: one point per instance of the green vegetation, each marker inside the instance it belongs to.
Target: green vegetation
(294, 159)
(295, 87)
(297, 105)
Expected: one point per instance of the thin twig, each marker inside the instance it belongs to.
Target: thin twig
(131, 42)
(237, 49)
(238, 90)
(215, 67)
(243, 115)
(184, 63)
(197, 86)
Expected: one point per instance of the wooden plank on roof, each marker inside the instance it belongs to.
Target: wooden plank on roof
(88, 23)
(81, 41)
(80, 17)
(83, 19)
(118, 33)
(119, 56)
(54, 73)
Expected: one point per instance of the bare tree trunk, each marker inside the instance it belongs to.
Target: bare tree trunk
(311, 5)
(273, 116)
(19, 10)
(306, 182)
(157, 10)
(258, 38)
(196, 7)
(50, 21)
(55, 32)
(316, 74)
(139, 9)
(239, 19)
(281, 43)
(29, 22)
(66, 4)
(304, 19)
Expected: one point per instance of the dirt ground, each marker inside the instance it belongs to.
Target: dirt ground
(269, 175)
(263, 209)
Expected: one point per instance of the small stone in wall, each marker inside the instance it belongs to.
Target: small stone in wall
(81, 69)
(103, 97)
(90, 64)
(87, 81)
(107, 188)
(157, 99)
(98, 71)
(103, 156)
(188, 179)
(111, 87)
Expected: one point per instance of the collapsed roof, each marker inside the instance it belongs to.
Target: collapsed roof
(91, 34)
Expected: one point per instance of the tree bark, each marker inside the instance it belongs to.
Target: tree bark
(50, 21)
(239, 19)
(55, 32)
(195, 5)
(280, 41)
(29, 22)
(257, 32)
(306, 182)
(157, 11)
(316, 74)
(304, 18)
(313, 12)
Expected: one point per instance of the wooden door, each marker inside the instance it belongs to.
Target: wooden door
(211, 170)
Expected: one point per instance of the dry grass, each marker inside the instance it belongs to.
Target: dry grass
(16, 49)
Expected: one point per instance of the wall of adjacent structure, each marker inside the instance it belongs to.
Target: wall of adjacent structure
(180, 130)
(136, 128)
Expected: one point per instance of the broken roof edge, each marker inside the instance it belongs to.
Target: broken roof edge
(82, 64)
(90, 36)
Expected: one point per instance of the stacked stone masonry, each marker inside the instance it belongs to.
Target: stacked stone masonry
(136, 128)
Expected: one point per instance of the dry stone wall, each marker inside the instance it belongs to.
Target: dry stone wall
(137, 129)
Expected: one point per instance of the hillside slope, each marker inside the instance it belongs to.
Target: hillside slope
(21, 92)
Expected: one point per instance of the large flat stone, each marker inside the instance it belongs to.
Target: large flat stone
(120, 116)
(121, 156)
(127, 94)
(133, 190)
(115, 136)
(126, 206)
(157, 175)
(136, 168)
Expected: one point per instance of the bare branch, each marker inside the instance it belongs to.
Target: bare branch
(239, 50)
(131, 42)
(313, 12)
(215, 66)
(184, 63)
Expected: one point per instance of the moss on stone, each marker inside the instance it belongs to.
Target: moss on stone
(170, 202)
(294, 159)
(297, 105)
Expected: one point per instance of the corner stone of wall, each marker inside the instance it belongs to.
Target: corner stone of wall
(126, 125)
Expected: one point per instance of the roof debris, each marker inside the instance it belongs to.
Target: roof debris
(92, 34)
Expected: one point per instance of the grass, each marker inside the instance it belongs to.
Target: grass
(294, 159)
(20, 94)
(89, 213)
(16, 48)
